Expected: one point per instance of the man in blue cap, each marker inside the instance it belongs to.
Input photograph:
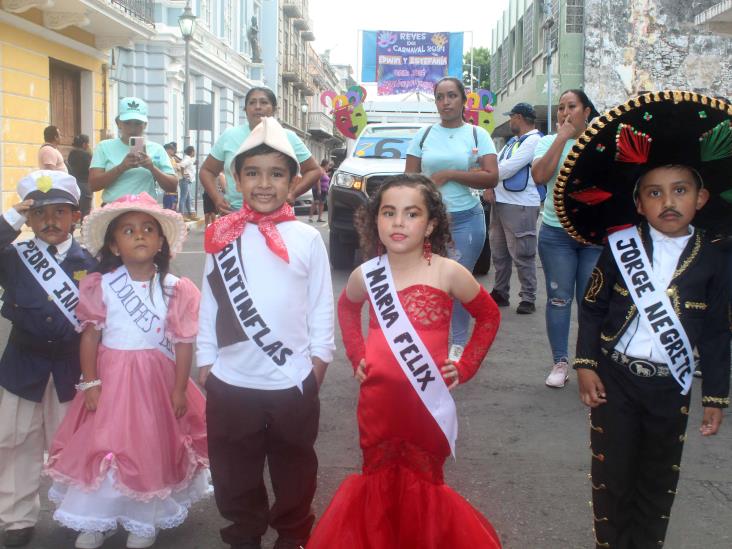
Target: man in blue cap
(40, 364)
(515, 210)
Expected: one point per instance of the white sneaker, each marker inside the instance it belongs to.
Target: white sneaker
(559, 376)
(140, 542)
(456, 352)
(92, 540)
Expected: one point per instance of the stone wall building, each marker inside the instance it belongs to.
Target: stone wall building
(633, 46)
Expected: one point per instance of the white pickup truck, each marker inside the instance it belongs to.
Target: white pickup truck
(379, 152)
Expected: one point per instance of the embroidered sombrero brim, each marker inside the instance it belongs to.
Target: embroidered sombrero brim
(94, 226)
(593, 196)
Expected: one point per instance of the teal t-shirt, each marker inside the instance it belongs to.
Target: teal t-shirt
(450, 149)
(550, 216)
(110, 153)
(229, 142)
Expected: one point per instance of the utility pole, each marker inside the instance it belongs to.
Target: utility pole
(547, 26)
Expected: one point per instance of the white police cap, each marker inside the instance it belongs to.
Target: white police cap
(49, 187)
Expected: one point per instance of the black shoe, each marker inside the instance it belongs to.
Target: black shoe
(289, 543)
(247, 545)
(19, 537)
(499, 299)
(526, 308)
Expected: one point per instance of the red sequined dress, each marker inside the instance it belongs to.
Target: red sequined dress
(400, 501)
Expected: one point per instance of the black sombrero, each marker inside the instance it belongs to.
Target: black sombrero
(594, 192)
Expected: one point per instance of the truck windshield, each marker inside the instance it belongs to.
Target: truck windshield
(382, 147)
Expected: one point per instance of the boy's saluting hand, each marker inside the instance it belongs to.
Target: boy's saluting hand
(591, 389)
(23, 207)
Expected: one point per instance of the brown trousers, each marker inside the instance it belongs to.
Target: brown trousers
(245, 426)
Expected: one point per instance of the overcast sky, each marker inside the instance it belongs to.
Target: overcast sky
(337, 24)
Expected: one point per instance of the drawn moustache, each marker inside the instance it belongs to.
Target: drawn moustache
(670, 211)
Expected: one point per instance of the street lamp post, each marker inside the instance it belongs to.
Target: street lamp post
(187, 23)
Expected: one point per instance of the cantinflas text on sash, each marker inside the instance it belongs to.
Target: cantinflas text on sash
(408, 348)
(52, 278)
(654, 307)
(258, 331)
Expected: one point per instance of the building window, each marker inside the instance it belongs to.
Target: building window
(575, 16)
(505, 55)
(496, 70)
(528, 46)
(554, 33)
(518, 55)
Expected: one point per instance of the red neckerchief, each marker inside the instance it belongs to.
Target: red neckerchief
(228, 228)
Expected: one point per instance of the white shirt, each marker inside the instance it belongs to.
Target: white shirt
(295, 300)
(521, 156)
(16, 221)
(637, 340)
(187, 164)
(120, 332)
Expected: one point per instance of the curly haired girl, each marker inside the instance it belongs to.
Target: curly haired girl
(406, 415)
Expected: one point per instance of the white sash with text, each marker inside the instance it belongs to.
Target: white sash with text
(145, 318)
(52, 278)
(256, 328)
(407, 347)
(654, 306)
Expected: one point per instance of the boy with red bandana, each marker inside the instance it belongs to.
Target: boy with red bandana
(266, 338)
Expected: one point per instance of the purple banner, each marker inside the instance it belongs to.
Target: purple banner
(410, 61)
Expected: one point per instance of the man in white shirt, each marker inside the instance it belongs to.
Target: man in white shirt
(516, 203)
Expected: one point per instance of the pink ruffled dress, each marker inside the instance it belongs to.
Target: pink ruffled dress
(132, 462)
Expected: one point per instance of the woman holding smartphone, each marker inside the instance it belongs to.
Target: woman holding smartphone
(130, 164)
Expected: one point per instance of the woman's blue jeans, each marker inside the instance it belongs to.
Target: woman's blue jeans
(567, 268)
(468, 234)
(184, 198)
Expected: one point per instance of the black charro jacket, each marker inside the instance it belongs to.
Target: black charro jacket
(699, 293)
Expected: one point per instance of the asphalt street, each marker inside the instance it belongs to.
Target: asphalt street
(522, 453)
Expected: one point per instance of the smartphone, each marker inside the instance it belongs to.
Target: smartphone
(137, 144)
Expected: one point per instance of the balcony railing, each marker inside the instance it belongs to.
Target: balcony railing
(292, 70)
(292, 8)
(320, 124)
(141, 9)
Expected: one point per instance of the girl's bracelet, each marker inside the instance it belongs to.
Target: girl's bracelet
(84, 385)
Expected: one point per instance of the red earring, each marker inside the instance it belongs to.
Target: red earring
(427, 251)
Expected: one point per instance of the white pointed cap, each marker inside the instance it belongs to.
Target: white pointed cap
(267, 132)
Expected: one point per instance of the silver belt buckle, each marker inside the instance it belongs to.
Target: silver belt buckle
(642, 368)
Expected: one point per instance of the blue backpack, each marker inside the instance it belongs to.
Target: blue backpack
(518, 181)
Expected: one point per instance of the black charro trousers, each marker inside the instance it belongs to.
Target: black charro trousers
(637, 439)
(247, 426)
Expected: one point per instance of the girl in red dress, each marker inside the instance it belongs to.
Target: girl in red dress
(400, 500)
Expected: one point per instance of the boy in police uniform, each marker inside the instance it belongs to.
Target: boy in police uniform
(40, 364)
(658, 293)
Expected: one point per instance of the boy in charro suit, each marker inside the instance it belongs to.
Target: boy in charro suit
(658, 294)
(40, 364)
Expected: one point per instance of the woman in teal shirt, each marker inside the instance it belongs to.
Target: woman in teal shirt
(117, 170)
(567, 263)
(258, 103)
(458, 157)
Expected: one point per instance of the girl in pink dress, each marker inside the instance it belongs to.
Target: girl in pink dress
(132, 449)
(401, 500)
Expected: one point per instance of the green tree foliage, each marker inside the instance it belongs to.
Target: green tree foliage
(481, 68)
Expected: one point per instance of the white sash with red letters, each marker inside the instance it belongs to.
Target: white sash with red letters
(654, 307)
(280, 355)
(408, 348)
(144, 317)
(52, 278)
